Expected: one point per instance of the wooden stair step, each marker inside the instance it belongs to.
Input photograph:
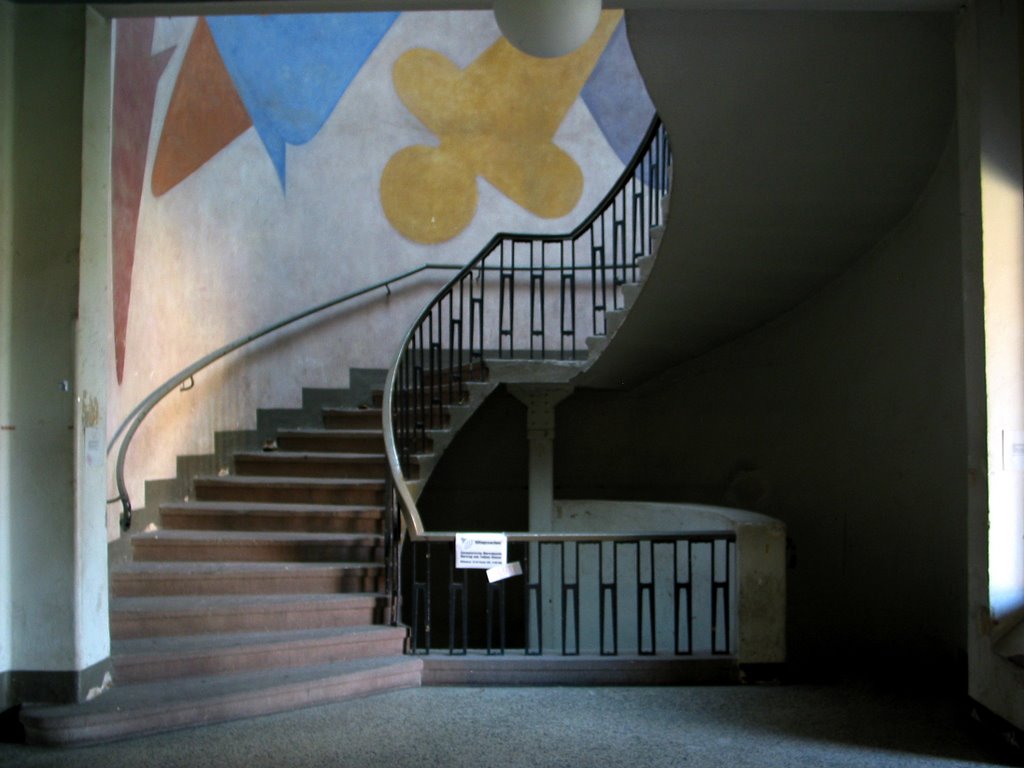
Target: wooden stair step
(257, 516)
(352, 418)
(332, 440)
(305, 464)
(256, 546)
(134, 617)
(138, 709)
(151, 579)
(297, 490)
(162, 658)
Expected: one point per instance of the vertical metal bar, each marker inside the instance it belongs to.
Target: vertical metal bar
(533, 595)
(598, 270)
(609, 591)
(684, 612)
(645, 596)
(496, 594)
(421, 594)
(571, 589)
(458, 602)
(537, 300)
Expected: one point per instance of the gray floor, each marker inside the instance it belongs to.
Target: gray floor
(734, 727)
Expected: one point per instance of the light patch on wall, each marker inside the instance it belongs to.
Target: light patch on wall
(496, 119)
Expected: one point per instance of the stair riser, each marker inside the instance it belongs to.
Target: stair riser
(271, 467)
(133, 586)
(144, 669)
(124, 626)
(156, 550)
(282, 522)
(332, 443)
(289, 494)
(278, 699)
(352, 419)
(444, 395)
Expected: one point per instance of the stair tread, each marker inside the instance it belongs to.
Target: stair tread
(186, 694)
(206, 603)
(229, 507)
(324, 456)
(313, 431)
(188, 644)
(350, 409)
(284, 480)
(255, 536)
(199, 567)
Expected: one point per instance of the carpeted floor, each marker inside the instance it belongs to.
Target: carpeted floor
(816, 726)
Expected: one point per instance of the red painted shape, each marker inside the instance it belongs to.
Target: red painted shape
(136, 74)
(205, 114)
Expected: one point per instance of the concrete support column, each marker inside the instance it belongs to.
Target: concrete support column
(540, 402)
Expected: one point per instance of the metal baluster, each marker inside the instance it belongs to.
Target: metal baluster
(644, 593)
(458, 590)
(609, 589)
(571, 589)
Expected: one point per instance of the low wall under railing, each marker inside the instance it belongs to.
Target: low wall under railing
(699, 581)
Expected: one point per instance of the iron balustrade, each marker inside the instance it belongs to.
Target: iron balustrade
(601, 594)
(534, 297)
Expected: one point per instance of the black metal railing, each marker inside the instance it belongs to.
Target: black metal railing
(600, 594)
(535, 297)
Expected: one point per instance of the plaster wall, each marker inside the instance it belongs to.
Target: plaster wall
(990, 64)
(39, 363)
(7, 20)
(93, 342)
(844, 419)
(241, 242)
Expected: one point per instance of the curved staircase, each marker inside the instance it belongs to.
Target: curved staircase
(265, 592)
(269, 588)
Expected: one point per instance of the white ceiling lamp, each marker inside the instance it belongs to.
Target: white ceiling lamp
(547, 28)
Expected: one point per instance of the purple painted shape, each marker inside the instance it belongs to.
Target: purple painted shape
(617, 98)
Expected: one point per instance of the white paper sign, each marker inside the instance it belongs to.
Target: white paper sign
(507, 571)
(480, 550)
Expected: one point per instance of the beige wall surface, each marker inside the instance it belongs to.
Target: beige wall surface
(7, 14)
(39, 367)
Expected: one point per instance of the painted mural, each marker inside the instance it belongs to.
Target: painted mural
(263, 164)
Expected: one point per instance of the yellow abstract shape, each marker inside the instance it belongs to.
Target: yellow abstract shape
(497, 119)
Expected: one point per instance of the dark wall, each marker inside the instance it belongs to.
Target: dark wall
(846, 419)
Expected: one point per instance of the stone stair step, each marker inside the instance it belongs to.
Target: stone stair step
(291, 490)
(332, 440)
(151, 579)
(138, 709)
(162, 658)
(352, 418)
(305, 464)
(135, 617)
(256, 516)
(443, 394)
(256, 546)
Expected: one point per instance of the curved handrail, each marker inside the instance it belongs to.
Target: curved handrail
(655, 149)
(138, 414)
